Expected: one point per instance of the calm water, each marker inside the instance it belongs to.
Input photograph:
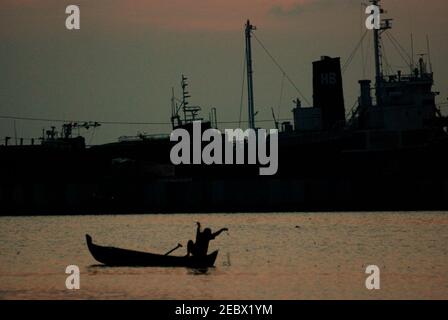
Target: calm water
(264, 256)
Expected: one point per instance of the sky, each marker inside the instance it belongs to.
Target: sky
(128, 54)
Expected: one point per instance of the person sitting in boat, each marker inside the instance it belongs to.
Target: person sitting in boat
(200, 247)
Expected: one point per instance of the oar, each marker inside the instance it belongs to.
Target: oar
(178, 246)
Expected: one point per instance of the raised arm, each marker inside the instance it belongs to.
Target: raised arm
(198, 230)
(217, 233)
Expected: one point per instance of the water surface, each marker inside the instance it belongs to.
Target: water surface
(264, 256)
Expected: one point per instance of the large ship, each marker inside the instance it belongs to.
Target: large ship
(388, 154)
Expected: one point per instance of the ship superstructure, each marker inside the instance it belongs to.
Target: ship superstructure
(398, 110)
(390, 153)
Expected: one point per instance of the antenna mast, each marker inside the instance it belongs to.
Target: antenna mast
(384, 25)
(185, 96)
(250, 85)
(190, 112)
(429, 53)
(175, 119)
(412, 54)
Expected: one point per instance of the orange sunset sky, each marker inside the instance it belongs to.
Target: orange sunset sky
(123, 62)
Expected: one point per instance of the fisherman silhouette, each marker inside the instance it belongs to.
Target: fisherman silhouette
(200, 247)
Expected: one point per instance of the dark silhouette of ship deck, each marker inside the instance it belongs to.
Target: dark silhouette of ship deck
(390, 154)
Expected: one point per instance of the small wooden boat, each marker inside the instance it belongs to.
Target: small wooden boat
(112, 256)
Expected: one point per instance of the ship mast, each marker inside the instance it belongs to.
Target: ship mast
(384, 25)
(377, 44)
(250, 86)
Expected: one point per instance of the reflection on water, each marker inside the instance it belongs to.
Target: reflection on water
(201, 271)
(264, 256)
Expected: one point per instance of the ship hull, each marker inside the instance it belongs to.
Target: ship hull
(321, 173)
